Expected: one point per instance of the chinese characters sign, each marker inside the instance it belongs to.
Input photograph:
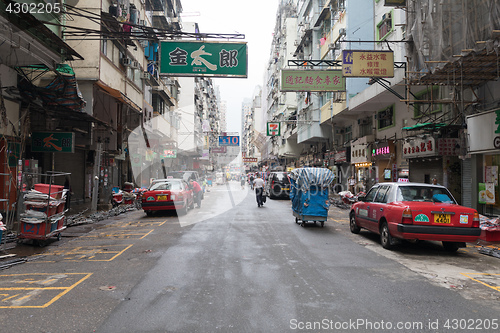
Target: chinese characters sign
(195, 58)
(273, 129)
(367, 63)
(312, 80)
(419, 148)
(56, 142)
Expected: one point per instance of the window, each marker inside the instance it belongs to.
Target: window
(371, 194)
(382, 194)
(426, 108)
(385, 118)
(385, 27)
(104, 46)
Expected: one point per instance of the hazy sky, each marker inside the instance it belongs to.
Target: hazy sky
(256, 20)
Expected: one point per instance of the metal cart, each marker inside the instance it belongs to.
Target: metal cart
(309, 194)
(44, 216)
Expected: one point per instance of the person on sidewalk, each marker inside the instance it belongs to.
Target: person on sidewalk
(197, 190)
(258, 184)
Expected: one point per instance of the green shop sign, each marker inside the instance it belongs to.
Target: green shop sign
(312, 80)
(198, 58)
(55, 142)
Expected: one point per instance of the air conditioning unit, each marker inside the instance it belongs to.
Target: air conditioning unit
(146, 75)
(142, 22)
(386, 16)
(135, 64)
(342, 32)
(127, 62)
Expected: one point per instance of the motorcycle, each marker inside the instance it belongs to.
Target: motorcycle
(348, 198)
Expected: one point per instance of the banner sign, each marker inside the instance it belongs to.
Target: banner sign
(229, 140)
(312, 80)
(367, 63)
(273, 129)
(249, 159)
(199, 58)
(55, 142)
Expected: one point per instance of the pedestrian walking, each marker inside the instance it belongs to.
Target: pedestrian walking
(251, 181)
(243, 179)
(67, 187)
(197, 190)
(258, 184)
(352, 184)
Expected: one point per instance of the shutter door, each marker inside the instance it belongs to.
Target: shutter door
(467, 182)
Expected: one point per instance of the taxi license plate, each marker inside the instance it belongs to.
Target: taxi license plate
(161, 197)
(442, 218)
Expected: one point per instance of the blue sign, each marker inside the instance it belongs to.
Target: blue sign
(229, 140)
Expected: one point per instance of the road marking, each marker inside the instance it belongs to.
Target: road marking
(85, 253)
(120, 235)
(36, 290)
(485, 276)
(146, 223)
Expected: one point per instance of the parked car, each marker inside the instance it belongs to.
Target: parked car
(278, 185)
(185, 175)
(168, 194)
(415, 211)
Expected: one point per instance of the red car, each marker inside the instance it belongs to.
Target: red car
(415, 211)
(168, 194)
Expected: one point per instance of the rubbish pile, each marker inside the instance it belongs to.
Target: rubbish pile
(489, 223)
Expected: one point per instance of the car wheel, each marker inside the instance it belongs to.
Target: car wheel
(297, 220)
(353, 225)
(385, 236)
(450, 246)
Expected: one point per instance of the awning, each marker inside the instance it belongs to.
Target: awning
(424, 126)
(118, 95)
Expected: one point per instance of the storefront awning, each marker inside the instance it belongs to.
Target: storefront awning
(424, 126)
(118, 95)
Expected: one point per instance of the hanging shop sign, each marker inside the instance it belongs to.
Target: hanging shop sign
(395, 3)
(55, 142)
(340, 157)
(169, 153)
(359, 154)
(199, 58)
(229, 140)
(249, 159)
(419, 147)
(312, 80)
(356, 63)
(219, 150)
(382, 151)
(273, 129)
(483, 130)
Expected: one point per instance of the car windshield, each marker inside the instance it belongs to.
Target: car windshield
(282, 177)
(166, 186)
(424, 193)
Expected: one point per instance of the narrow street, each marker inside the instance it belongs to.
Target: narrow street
(233, 267)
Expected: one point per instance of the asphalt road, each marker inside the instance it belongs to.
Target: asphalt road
(233, 267)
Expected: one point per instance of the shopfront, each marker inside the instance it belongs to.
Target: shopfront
(361, 161)
(424, 161)
(484, 147)
(384, 161)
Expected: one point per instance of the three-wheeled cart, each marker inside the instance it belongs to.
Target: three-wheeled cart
(309, 194)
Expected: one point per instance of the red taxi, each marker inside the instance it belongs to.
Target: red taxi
(415, 211)
(168, 194)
